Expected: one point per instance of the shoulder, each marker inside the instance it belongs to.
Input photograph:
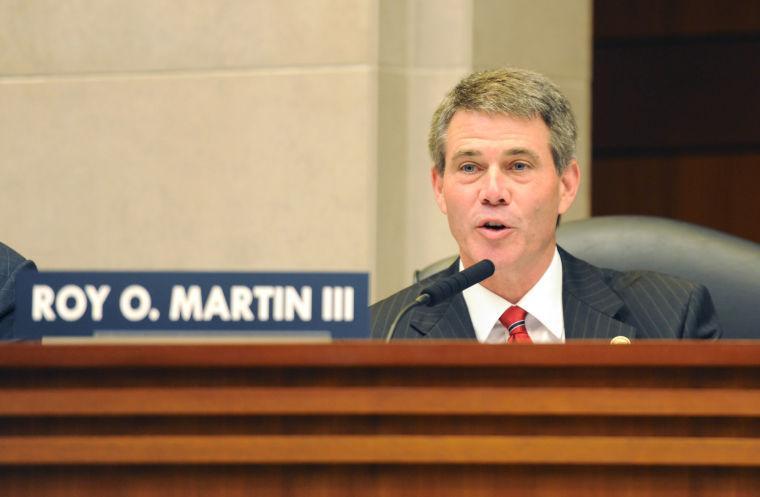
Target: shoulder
(384, 311)
(577, 271)
(659, 305)
(11, 262)
(658, 285)
(658, 301)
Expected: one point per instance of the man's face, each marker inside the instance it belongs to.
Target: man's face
(501, 192)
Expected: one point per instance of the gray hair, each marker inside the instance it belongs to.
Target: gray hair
(513, 92)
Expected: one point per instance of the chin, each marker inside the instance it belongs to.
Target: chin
(499, 258)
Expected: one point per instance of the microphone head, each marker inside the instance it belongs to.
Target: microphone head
(479, 271)
(451, 285)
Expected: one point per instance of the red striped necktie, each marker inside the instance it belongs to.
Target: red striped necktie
(513, 320)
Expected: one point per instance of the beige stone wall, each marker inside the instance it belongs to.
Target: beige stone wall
(425, 48)
(199, 134)
(249, 135)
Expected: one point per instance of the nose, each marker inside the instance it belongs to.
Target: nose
(494, 189)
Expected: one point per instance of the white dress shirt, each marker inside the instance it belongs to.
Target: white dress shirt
(543, 303)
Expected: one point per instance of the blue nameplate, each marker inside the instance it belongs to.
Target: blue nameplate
(50, 304)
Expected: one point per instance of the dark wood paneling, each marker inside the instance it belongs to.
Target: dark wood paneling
(676, 101)
(710, 190)
(668, 18)
(380, 481)
(700, 96)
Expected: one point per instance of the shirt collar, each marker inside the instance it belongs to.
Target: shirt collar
(543, 302)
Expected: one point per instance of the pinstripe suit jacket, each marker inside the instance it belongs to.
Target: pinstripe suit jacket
(10, 264)
(597, 304)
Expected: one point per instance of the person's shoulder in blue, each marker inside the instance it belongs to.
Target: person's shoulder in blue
(11, 262)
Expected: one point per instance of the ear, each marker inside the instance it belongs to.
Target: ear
(436, 179)
(569, 182)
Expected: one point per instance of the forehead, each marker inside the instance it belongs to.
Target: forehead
(477, 129)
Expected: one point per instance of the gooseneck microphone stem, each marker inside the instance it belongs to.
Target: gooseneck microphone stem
(420, 300)
(445, 288)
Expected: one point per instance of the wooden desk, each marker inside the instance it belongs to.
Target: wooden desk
(345, 419)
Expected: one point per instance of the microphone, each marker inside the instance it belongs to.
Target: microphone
(446, 288)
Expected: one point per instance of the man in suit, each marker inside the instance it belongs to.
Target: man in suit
(504, 171)
(10, 264)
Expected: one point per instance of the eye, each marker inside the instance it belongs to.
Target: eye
(468, 167)
(520, 166)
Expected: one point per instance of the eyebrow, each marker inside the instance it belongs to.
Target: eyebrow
(507, 153)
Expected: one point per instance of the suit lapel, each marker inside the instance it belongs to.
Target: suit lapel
(448, 320)
(590, 307)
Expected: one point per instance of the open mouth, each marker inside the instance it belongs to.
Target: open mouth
(493, 226)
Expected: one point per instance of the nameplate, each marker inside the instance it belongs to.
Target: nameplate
(192, 304)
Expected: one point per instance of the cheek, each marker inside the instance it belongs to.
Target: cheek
(449, 199)
(452, 202)
(544, 211)
(545, 202)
